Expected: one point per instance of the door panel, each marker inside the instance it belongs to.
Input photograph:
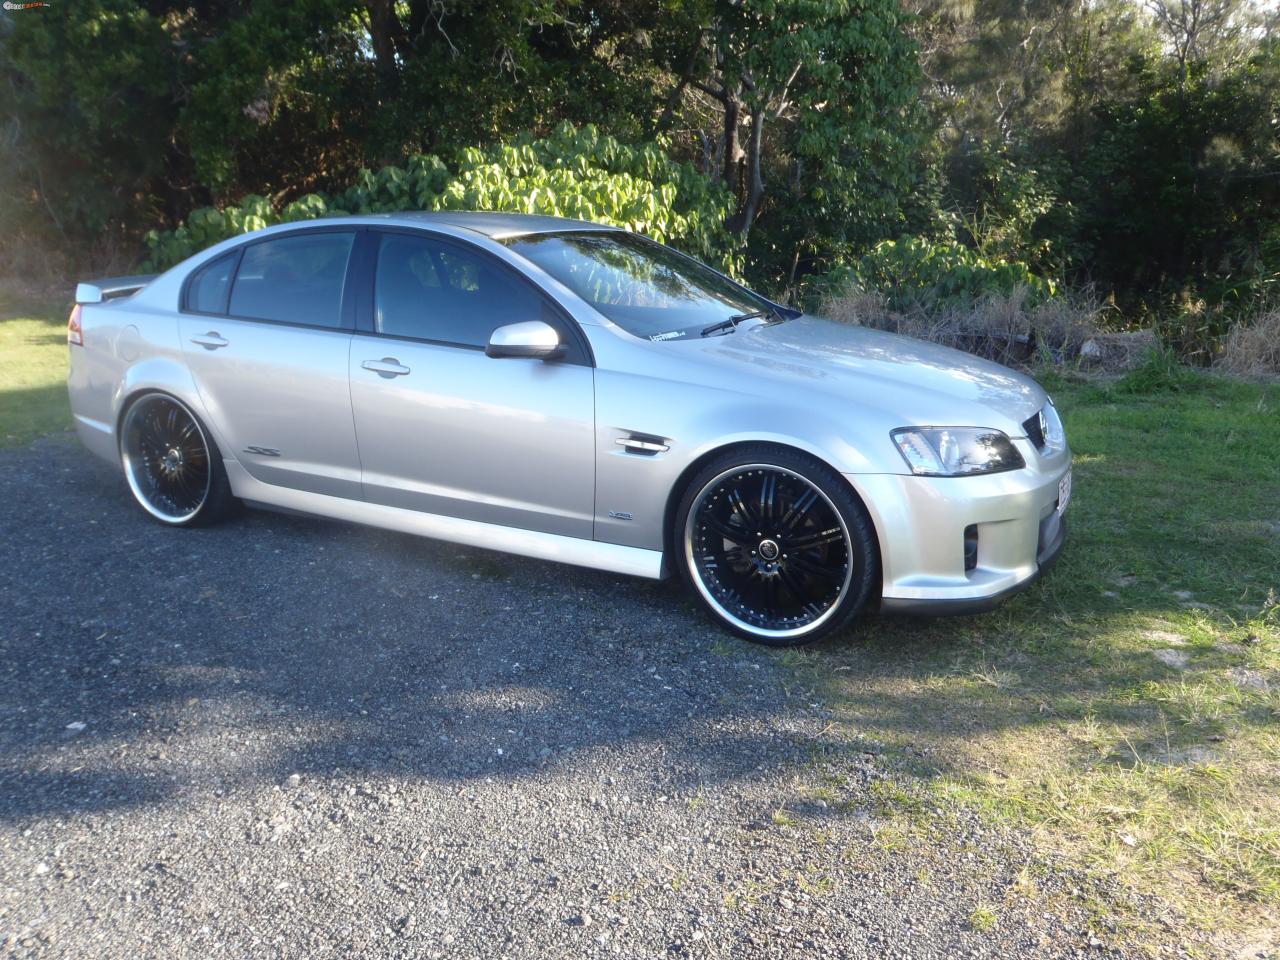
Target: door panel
(461, 434)
(445, 429)
(273, 374)
(279, 388)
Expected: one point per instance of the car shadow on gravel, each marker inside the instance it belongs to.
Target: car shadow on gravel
(143, 662)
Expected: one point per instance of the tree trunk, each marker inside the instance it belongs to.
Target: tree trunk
(753, 188)
(732, 100)
(384, 30)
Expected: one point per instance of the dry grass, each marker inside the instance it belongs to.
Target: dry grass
(1001, 327)
(1252, 348)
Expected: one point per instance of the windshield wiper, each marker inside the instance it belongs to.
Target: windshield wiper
(732, 322)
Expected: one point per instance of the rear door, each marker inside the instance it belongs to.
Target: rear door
(266, 331)
(445, 429)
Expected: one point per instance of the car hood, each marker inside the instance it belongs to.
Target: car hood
(912, 381)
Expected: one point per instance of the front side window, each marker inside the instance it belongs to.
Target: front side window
(432, 290)
(647, 289)
(294, 279)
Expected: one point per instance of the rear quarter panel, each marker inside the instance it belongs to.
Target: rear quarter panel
(129, 348)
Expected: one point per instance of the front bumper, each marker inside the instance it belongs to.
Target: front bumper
(923, 523)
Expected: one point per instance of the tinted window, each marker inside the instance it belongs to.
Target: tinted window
(431, 290)
(295, 279)
(210, 285)
(645, 288)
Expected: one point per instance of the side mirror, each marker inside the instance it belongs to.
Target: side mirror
(532, 338)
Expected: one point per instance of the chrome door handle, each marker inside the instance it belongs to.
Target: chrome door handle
(386, 368)
(211, 340)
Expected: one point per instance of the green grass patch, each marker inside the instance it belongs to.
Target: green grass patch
(33, 370)
(1127, 708)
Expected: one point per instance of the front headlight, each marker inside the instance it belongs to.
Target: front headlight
(956, 451)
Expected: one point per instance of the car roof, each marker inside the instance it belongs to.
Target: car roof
(494, 224)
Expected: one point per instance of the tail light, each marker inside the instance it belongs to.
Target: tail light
(75, 333)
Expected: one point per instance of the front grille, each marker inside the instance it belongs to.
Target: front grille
(1035, 430)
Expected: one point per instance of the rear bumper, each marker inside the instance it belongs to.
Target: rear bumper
(961, 545)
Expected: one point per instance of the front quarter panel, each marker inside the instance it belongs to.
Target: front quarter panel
(635, 399)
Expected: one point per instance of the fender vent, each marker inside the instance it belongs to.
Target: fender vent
(643, 444)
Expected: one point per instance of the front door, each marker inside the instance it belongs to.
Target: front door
(268, 341)
(445, 429)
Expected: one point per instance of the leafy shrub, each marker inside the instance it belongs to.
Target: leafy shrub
(912, 272)
(574, 172)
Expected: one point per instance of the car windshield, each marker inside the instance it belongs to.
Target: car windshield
(647, 289)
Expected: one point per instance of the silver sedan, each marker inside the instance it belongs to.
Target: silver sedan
(577, 393)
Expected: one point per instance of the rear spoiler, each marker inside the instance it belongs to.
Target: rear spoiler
(111, 288)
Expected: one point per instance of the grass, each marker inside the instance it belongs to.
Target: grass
(33, 370)
(983, 918)
(1127, 709)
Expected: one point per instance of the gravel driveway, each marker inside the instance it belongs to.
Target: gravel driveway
(288, 737)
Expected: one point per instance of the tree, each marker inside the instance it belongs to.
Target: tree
(813, 106)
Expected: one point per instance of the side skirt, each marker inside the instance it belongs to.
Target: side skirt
(611, 557)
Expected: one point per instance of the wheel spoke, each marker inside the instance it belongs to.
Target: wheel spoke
(741, 509)
(726, 532)
(833, 535)
(768, 495)
(799, 507)
(825, 571)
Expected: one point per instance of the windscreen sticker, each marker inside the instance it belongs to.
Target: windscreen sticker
(669, 335)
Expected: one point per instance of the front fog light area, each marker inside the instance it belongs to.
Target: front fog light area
(956, 451)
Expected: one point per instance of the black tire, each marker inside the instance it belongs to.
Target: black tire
(171, 463)
(775, 545)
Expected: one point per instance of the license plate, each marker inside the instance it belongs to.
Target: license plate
(1064, 492)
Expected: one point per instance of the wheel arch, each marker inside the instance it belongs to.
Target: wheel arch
(674, 495)
(166, 376)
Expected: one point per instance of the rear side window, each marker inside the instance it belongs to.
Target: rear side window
(430, 290)
(294, 279)
(207, 292)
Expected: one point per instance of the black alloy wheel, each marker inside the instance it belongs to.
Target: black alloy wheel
(777, 546)
(172, 467)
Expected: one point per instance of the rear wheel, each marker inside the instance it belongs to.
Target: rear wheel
(172, 466)
(776, 545)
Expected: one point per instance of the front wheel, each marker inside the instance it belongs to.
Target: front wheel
(172, 466)
(776, 545)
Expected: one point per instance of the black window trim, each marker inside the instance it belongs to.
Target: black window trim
(579, 353)
(347, 309)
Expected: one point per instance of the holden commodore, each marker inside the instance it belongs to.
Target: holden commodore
(576, 393)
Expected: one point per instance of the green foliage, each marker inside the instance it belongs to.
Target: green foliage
(1000, 200)
(913, 271)
(578, 173)
(1160, 372)
(1176, 196)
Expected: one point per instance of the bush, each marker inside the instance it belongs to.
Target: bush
(1252, 348)
(1010, 328)
(574, 172)
(913, 273)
